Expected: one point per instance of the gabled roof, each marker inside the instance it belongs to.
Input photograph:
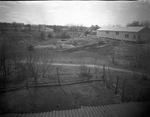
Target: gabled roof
(122, 29)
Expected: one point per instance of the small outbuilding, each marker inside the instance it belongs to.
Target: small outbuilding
(134, 34)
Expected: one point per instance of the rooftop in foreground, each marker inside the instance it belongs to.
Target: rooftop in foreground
(131, 109)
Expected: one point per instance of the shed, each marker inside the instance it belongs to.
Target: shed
(134, 34)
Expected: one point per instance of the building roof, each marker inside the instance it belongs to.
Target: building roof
(122, 29)
(131, 109)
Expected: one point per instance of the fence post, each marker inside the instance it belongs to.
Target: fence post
(110, 77)
(123, 90)
(109, 73)
(116, 90)
(104, 75)
(89, 74)
(138, 99)
(58, 75)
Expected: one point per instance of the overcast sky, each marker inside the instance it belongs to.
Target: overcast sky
(85, 13)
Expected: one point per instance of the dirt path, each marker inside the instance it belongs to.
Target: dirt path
(101, 67)
(94, 66)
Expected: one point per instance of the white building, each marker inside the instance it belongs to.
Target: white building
(49, 30)
(134, 34)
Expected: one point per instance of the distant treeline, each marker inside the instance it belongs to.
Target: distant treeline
(139, 23)
(40, 27)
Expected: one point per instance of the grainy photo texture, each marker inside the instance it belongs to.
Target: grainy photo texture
(75, 58)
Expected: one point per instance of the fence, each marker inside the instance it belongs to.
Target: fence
(128, 90)
(68, 78)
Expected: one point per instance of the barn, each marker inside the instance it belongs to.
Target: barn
(134, 34)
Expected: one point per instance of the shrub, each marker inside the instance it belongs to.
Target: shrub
(30, 48)
(62, 35)
(85, 73)
(20, 76)
(42, 35)
(3, 81)
(50, 35)
(144, 78)
(86, 33)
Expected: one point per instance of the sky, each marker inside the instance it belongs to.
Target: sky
(84, 13)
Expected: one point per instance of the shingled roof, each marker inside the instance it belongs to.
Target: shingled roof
(122, 29)
(132, 109)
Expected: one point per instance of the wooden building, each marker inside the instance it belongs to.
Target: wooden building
(134, 34)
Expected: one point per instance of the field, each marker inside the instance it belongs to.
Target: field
(68, 73)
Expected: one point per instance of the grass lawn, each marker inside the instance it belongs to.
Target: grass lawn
(44, 99)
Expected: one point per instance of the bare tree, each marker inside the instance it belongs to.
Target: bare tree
(42, 35)
(15, 26)
(38, 64)
(46, 65)
(94, 27)
(97, 70)
(141, 60)
(9, 55)
(134, 23)
(3, 57)
(33, 66)
(138, 23)
(29, 27)
(113, 58)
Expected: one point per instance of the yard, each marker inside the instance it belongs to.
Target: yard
(73, 92)
(73, 83)
(42, 99)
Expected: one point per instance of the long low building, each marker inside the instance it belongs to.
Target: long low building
(134, 34)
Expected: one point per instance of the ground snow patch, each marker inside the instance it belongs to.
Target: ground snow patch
(46, 46)
(67, 46)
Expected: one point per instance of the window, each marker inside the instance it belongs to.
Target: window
(134, 36)
(107, 32)
(139, 37)
(126, 35)
(117, 33)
